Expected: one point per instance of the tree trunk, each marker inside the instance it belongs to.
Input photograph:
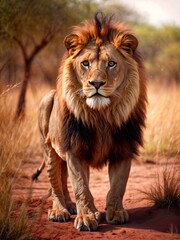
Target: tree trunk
(20, 110)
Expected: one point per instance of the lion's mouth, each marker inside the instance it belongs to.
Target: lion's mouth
(97, 94)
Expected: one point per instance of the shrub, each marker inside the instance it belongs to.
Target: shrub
(165, 192)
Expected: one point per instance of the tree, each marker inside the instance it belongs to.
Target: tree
(32, 25)
(169, 58)
(160, 49)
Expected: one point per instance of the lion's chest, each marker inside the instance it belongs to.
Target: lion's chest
(88, 143)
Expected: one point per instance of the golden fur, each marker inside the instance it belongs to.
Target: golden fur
(95, 117)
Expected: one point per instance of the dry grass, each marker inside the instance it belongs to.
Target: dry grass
(165, 191)
(162, 138)
(19, 139)
(19, 142)
(162, 135)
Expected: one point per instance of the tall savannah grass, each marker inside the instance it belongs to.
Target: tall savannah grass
(162, 138)
(162, 134)
(19, 142)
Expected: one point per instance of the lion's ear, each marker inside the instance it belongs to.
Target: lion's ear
(127, 42)
(73, 44)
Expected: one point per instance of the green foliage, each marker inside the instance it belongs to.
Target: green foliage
(161, 50)
(27, 27)
(170, 60)
(38, 18)
(82, 9)
(27, 23)
(121, 12)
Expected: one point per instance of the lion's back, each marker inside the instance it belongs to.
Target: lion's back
(45, 110)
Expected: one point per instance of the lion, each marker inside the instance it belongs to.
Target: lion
(94, 117)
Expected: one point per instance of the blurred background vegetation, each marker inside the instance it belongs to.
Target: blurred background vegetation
(32, 32)
(31, 47)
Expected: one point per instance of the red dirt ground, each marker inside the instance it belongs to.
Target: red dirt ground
(145, 222)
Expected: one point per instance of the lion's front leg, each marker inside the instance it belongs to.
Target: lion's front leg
(88, 216)
(71, 206)
(59, 212)
(118, 175)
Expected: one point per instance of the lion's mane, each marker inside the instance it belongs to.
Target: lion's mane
(113, 133)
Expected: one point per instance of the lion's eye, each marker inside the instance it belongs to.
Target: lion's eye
(112, 64)
(85, 63)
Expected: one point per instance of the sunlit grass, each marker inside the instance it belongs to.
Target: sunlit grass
(19, 142)
(162, 134)
(162, 139)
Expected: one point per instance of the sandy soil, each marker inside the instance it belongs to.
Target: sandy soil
(145, 222)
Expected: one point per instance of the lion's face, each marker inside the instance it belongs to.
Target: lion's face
(100, 72)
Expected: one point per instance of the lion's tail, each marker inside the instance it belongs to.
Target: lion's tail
(35, 175)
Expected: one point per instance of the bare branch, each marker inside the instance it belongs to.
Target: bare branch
(22, 47)
(43, 43)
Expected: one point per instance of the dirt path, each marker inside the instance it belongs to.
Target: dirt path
(145, 221)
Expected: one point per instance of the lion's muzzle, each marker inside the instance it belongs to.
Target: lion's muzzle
(97, 83)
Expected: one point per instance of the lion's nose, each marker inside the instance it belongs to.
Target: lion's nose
(97, 83)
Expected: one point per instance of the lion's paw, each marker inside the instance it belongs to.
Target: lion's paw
(87, 222)
(57, 215)
(71, 206)
(117, 216)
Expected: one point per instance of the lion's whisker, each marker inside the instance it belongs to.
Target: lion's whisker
(78, 92)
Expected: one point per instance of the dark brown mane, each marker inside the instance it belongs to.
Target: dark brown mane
(102, 24)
